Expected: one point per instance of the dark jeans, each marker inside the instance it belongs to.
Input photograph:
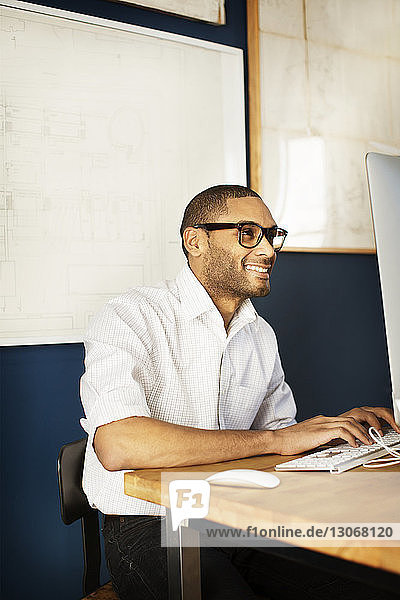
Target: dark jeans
(138, 568)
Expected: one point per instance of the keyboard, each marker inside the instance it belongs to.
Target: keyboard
(343, 457)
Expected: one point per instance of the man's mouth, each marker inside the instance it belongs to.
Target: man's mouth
(259, 270)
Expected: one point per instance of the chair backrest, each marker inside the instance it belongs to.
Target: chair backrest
(74, 506)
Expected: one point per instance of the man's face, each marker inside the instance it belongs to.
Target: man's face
(228, 269)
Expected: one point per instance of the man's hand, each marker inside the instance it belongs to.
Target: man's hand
(321, 430)
(371, 415)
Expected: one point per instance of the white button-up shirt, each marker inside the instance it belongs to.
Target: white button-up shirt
(163, 352)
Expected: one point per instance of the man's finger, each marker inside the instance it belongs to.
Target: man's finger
(370, 417)
(360, 432)
(344, 434)
(355, 429)
(356, 426)
(350, 422)
(384, 413)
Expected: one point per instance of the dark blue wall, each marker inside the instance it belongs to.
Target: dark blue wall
(40, 411)
(326, 310)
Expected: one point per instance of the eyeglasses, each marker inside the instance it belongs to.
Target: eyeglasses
(250, 234)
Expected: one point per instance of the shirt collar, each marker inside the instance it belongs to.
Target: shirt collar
(246, 312)
(195, 299)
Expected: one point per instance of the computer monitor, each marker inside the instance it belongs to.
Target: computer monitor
(384, 189)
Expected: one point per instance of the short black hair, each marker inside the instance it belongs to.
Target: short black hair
(210, 204)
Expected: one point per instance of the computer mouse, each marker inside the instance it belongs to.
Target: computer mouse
(249, 477)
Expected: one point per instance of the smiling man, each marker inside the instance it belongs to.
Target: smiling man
(188, 373)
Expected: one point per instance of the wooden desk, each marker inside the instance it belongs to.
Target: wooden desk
(302, 497)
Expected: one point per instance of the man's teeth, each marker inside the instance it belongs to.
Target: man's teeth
(254, 268)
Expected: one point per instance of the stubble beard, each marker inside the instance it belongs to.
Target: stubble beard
(222, 278)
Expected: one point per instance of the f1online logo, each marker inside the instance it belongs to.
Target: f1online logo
(189, 499)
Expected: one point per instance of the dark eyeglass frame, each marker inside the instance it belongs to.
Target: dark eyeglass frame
(268, 232)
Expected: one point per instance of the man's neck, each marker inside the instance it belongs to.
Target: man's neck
(227, 307)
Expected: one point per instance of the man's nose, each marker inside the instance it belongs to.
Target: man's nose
(264, 247)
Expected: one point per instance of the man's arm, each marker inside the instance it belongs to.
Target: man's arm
(144, 442)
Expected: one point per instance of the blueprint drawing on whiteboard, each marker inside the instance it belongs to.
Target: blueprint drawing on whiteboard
(107, 132)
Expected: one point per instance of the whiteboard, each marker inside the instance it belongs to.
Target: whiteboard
(109, 130)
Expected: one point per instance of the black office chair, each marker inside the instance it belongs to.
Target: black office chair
(74, 506)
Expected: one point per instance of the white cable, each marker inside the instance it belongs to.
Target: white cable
(382, 462)
(376, 436)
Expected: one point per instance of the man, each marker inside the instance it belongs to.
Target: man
(187, 373)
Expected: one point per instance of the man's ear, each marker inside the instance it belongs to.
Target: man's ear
(194, 241)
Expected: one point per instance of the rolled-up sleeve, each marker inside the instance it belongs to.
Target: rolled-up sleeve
(117, 371)
(278, 408)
